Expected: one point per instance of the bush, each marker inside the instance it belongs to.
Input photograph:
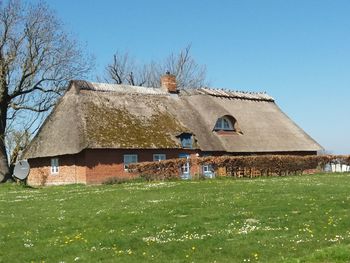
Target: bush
(240, 166)
(162, 170)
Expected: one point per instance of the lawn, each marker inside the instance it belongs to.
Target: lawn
(280, 219)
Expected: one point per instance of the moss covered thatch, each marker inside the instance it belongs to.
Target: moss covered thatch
(106, 126)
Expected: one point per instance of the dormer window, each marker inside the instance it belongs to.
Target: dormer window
(224, 124)
(227, 125)
(186, 140)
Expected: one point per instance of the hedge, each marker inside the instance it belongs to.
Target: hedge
(160, 170)
(241, 166)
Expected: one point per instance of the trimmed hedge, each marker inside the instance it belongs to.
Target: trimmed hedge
(161, 170)
(241, 166)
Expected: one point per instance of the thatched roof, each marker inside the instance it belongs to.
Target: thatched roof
(97, 115)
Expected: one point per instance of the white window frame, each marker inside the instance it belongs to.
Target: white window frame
(220, 124)
(186, 168)
(206, 169)
(157, 157)
(54, 166)
(188, 145)
(133, 158)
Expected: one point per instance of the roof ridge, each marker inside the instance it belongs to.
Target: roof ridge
(227, 93)
(121, 85)
(129, 89)
(118, 88)
(230, 90)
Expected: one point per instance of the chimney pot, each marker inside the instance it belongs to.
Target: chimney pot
(168, 82)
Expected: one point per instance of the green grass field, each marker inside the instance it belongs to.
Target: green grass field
(281, 219)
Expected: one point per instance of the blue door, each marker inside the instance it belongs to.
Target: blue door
(185, 169)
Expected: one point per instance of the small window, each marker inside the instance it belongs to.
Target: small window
(224, 123)
(206, 169)
(128, 159)
(186, 140)
(185, 168)
(159, 157)
(54, 166)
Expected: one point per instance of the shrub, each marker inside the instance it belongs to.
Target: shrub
(241, 166)
(162, 170)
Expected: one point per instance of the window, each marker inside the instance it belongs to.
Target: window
(54, 166)
(159, 157)
(185, 169)
(186, 140)
(223, 123)
(128, 159)
(208, 171)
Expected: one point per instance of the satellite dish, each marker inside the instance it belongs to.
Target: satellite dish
(21, 170)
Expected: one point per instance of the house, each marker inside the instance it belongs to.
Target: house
(97, 129)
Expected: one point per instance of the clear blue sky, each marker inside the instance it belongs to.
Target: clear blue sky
(296, 50)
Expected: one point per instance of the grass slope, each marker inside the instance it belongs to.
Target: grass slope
(286, 219)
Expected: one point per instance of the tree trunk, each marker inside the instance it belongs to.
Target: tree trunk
(4, 165)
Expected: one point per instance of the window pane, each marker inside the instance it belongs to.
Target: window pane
(129, 158)
(54, 165)
(226, 124)
(186, 168)
(206, 168)
(186, 142)
(158, 157)
(218, 124)
(223, 124)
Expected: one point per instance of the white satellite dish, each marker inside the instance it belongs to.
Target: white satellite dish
(21, 170)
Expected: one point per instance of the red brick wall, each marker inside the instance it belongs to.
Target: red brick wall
(96, 166)
(71, 170)
(104, 164)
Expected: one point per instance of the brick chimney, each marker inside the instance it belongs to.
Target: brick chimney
(168, 82)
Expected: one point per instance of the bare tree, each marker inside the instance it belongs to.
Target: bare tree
(16, 141)
(121, 70)
(37, 59)
(189, 74)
